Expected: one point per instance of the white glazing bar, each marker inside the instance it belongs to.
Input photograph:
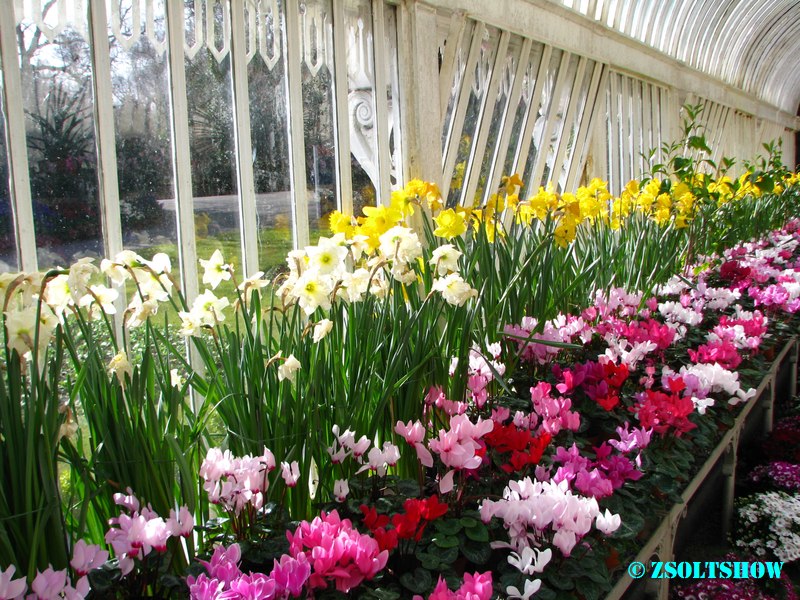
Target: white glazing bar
(381, 101)
(655, 123)
(594, 110)
(16, 145)
(647, 125)
(550, 123)
(105, 139)
(521, 155)
(455, 37)
(637, 144)
(615, 139)
(473, 171)
(296, 129)
(566, 130)
(501, 151)
(626, 137)
(341, 92)
(104, 128)
(460, 111)
(243, 143)
(722, 139)
(181, 157)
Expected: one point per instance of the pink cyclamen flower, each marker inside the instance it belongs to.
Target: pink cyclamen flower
(181, 524)
(50, 584)
(11, 588)
(86, 557)
(290, 473)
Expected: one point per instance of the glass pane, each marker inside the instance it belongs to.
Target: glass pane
(574, 125)
(209, 94)
(8, 245)
(557, 116)
(361, 103)
(499, 111)
(56, 70)
(316, 31)
(528, 84)
(266, 75)
(544, 102)
(139, 82)
(483, 75)
(459, 68)
(392, 56)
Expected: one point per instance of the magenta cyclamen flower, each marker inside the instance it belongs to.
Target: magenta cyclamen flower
(341, 554)
(474, 587)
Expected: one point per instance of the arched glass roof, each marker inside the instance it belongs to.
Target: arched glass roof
(751, 44)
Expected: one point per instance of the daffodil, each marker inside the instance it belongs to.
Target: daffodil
(21, 329)
(445, 259)
(379, 219)
(312, 291)
(511, 183)
(341, 223)
(449, 224)
(119, 366)
(454, 289)
(216, 270)
(322, 329)
(288, 368)
(328, 255)
(400, 244)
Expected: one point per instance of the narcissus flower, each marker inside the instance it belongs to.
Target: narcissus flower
(449, 224)
(454, 289)
(216, 270)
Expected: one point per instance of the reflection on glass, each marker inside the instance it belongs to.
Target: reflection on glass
(573, 152)
(266, 76)
(459, 68)
(361, 103)
(500, 109)
(137, 44)
(57, 92)
(316, 33)
(393, 92)
(544, 103)
(213, 159)
(8, 246)
(483, 75)
(526, 96)
(558, 118)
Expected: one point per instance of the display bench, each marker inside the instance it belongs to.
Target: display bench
(780, 379)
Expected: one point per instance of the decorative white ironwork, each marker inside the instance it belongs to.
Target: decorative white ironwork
(130, 11)
(218, 27)
(194, 25)
(53, 16)
(266, 26)
(483, 70)
(317, 36)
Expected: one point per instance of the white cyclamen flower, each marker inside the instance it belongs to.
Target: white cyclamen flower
(607, 523)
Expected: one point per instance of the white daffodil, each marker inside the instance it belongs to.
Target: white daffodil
(79, 275)
(21, 327)
(311, 291)
(101, 298)
(210, 308)
(400, 244)
(139, 311)
(454, 289)
(191, 324)
(216, 270)
(288, 368)
(116, 269)
(355, 284)
(322, 329)
(175, 379)
(119, 366)
(445, 259)
(327, 256)
(251, 284)
(57, 294)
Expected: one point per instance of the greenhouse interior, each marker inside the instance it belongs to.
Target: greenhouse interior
(384, 299)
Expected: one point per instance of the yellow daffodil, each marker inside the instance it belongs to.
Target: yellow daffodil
(449, 224)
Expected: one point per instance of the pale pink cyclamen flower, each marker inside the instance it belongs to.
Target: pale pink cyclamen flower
(290, 473)
(11, 588)
(86, 557)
